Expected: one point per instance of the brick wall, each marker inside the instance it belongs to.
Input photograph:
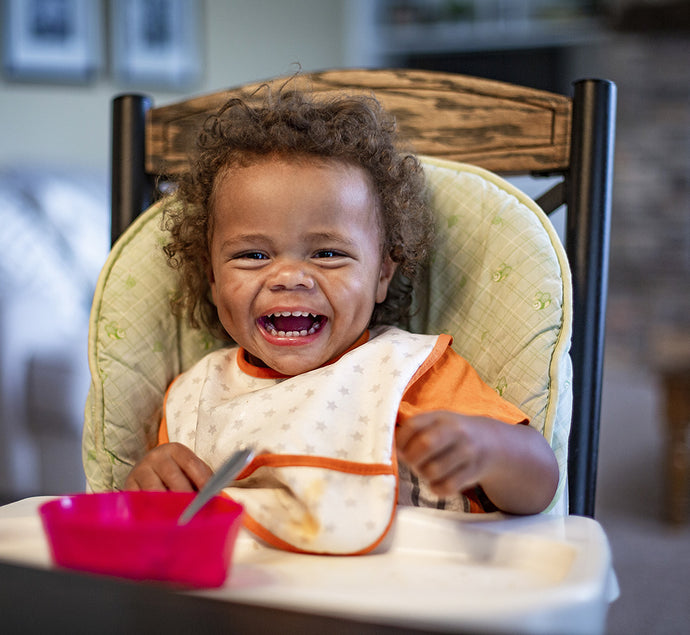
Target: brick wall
(649, 289)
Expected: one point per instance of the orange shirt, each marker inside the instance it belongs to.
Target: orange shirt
(451, 383)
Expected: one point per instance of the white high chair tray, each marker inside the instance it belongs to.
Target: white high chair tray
(440, 571)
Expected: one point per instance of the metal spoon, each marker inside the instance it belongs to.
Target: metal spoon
(227, 472)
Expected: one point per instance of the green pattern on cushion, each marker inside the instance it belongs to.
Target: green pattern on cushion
(498, 282)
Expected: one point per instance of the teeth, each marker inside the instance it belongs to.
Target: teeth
(302, 333)
(316, 325)
(293, 314)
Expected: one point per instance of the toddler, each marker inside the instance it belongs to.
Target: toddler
(297, 234)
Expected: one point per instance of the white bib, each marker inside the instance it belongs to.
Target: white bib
(325, 478)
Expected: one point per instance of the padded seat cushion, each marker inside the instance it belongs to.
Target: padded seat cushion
(498, 282)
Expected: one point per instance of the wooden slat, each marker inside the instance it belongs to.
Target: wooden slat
(498, 126)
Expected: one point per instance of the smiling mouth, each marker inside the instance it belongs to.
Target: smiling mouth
(292, 323)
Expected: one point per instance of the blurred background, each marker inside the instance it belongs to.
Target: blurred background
(63, 62)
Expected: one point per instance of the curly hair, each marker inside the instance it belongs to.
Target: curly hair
(291, 123)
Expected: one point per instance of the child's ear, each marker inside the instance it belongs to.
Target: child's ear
(211, 284)
(388, 268)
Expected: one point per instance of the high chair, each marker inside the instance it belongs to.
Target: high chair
(500, 281)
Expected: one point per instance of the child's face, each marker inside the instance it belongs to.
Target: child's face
(296, 260)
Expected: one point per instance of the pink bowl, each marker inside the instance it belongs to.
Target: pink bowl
(135, 535)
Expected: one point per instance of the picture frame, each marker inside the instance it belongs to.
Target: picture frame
(52, 40)
(156, 43)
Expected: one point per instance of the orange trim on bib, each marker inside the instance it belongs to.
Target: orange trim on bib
(305, 460)
(270, 538)
(442, 344)
(264, 534)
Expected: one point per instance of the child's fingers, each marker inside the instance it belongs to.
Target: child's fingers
(442, 466)
(196, 470)
(144, 479)
(173, 477)
(407, 434)
(425, 437)
(453, 481)
(449, 471)
(180, 469)
(172, 466)
(441, 447)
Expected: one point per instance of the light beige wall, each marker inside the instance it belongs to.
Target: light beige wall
(244, 40)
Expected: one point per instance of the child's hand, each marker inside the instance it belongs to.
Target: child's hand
(513, 464)
(449, 451)
(171, 466)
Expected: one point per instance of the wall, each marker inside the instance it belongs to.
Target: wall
(245, 40)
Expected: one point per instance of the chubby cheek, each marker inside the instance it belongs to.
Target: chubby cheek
(221, 295)
(354, 302)
(217, 297)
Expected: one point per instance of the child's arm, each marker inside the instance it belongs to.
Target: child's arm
(513, 464)
(171, 466)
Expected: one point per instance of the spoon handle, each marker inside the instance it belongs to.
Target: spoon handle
(226, 473)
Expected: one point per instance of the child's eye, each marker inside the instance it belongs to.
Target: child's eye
(328, 253)
(252, 255)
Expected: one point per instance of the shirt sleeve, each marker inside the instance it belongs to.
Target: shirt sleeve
(451, 383)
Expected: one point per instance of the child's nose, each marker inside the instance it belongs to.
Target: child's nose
(291, 275)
